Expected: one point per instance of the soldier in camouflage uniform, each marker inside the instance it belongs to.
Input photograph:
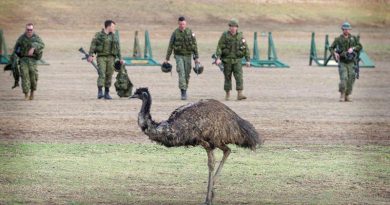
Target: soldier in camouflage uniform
(183, 44)
(343, 47)
(232, 47)
(29, 48)
(106, 46)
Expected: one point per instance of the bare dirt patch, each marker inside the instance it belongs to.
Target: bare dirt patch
(295, 105)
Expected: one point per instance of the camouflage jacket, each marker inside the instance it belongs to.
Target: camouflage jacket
(105, 45)
(342, 44)
(24, 44)
(182, 43)
(232, 47)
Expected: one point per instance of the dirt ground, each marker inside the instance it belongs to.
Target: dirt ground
(298, 105)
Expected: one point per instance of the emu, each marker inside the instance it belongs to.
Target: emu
(207, 123)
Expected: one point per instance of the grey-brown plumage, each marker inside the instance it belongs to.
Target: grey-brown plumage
(208, 123)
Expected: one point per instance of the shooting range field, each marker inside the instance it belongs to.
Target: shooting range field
(67, 147)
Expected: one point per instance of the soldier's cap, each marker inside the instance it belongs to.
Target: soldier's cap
(346, 26)
(233, 22)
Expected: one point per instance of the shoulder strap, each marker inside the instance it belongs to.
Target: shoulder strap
(240, 35)
(225, 34)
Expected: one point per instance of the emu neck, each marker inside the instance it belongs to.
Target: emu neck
(144, 118)
(146, 104)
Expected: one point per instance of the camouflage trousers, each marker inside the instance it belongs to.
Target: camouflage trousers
(29, 74)
(106, 70)
(183, 68)
(347, 77)
(234, 68)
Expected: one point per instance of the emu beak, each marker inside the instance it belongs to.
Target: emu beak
(134, 96)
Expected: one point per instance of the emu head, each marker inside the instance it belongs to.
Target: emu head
(141, 93)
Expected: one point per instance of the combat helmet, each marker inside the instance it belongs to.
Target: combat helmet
(198, 69)
(166, 67)
(346, 25)
(233, 22)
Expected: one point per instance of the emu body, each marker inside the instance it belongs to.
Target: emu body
(208, 123)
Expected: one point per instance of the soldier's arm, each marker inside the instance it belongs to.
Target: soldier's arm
(247, 54)
(358, 47)
(38, 44)
(17, 44)
(119, 56)
(196, 54)
(92, 48)
(333, 46)
(218, 52)
(170, 46)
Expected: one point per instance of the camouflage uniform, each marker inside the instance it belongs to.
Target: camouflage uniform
(346, 70)
(106, 46)
(28, 64)
(183, 44)
(231, 49)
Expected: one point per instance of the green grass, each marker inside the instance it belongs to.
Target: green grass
(151, 174)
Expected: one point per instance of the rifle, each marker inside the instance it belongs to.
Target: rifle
(86, 56)
(214, 57)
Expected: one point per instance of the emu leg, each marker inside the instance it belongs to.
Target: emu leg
(226, 152)
(211, 164)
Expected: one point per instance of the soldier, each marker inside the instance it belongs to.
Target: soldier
(29, 48)
(232, 47)
(183, 44)
(106, 46)
(345, 49)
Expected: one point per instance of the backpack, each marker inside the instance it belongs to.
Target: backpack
(123, 85)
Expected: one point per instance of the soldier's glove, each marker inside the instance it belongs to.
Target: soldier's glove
(117, 66)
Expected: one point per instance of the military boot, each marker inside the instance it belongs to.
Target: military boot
(240, 96)
(25, 96)
(107, 94)
(342, 97)
(100, 93)
(16, 84)
(183, 94)
(348, 98)
(227, 96)
(31, 95)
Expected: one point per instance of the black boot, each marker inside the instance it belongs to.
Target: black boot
(100, 93)
(107, 93)
(16, 84)
(183, 94)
